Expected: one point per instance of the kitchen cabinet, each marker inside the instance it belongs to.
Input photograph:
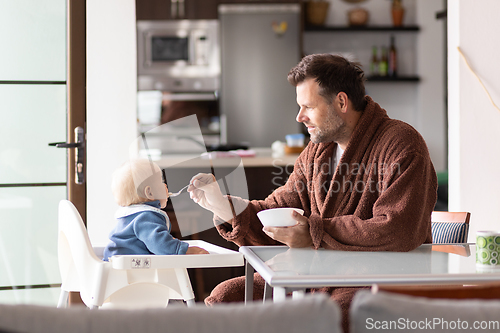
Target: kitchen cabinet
(187, 9)
(152, 10)
(176, 9)
(260, 1)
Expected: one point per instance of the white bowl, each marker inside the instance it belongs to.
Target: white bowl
(278, 217)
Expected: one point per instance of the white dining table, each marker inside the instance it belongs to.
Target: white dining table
(293, 270)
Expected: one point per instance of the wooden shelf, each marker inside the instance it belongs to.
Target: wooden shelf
(369, 29)
(407, 28)
(393, 79)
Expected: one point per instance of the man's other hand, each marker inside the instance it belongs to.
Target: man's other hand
(294, 236)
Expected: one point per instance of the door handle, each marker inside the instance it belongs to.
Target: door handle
(65, 145)
(79, 146)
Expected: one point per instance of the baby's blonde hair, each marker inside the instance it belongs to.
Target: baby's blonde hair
(129, 179)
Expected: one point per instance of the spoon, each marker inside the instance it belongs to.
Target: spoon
(170, 194)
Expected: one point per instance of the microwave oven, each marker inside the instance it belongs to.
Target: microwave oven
(178, 55)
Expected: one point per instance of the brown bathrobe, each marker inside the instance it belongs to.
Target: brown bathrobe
(379, 199)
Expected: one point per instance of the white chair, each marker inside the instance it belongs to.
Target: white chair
(101, 284)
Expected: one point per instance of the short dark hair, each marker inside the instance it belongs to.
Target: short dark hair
(334, 74)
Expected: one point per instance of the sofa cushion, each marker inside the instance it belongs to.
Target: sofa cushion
(401, 313)
(313, 313)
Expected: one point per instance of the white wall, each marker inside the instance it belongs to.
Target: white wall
(111, 105)
(431, 66)
(420, 104)
(474, 123)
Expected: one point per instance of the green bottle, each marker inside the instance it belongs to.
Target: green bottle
(382, 65)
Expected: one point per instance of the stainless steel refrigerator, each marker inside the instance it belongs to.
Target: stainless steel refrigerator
(259, 46)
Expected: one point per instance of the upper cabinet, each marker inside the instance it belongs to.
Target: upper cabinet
(260, 1)
(187, 9)
(176, 9)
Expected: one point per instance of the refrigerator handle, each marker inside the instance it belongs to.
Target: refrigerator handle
(173, 8)
(223, 129)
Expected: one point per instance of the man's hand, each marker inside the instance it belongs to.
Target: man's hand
(205, 191)
(294, 236)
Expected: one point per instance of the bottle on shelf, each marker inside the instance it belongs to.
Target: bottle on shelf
(382, 65)
(374, 62)
(392, 69)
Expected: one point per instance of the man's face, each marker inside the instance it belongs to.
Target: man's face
(321, 118)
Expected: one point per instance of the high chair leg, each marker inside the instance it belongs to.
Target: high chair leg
(63, 299)
(185, 285)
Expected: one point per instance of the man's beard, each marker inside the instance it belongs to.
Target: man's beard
(335, 129)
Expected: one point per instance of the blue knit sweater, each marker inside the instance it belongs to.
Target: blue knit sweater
(143, 229)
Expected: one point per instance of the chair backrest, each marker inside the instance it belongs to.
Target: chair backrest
(450, 227)
(75, 254)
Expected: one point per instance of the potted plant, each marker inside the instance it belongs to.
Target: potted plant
(316, 11)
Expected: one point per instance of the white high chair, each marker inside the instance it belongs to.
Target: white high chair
(140, 283)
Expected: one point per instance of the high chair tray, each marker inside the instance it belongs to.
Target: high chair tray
(218, 257)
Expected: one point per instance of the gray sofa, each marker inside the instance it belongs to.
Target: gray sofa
(313, 313)
(389, 312)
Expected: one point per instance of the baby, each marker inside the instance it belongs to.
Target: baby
(142, 228)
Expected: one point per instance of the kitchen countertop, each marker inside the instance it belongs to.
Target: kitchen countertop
(263, 158)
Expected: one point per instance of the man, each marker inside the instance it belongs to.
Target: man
(365, 181)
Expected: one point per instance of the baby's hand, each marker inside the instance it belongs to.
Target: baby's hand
(196, 250)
